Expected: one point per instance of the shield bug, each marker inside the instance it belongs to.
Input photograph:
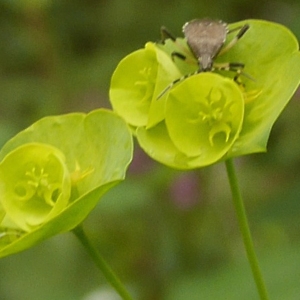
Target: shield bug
(205, 39)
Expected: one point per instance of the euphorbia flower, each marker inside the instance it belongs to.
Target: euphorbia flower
(53, 173)
(207, 117)
(35, 184)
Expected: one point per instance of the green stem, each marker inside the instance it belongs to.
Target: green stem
(101, 263)
(245, 231)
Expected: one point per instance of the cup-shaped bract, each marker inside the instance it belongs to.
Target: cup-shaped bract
(204, 116)
(137, 82)
(193, 120)
(271, 56)
(53, 173)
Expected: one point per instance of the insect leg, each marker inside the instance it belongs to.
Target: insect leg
(176, 81)
(234, 67)
(242, 31)
(186, 57)
(178, 55)
(166, 34)
(228, 66)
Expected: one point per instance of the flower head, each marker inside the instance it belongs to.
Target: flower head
(203, 118)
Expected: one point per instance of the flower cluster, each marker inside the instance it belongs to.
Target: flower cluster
(207, 117)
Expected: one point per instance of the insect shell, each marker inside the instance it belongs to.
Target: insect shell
(205, 39)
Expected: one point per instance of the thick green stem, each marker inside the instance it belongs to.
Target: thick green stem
(245, 231)
(101, 264)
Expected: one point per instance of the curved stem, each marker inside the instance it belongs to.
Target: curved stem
(245, 231)
(101, 263)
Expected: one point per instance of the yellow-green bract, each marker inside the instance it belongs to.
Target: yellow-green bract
(35, 185)
(53, 173)
(207, 117)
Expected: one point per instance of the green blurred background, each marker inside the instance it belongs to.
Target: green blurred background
(170, 235)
